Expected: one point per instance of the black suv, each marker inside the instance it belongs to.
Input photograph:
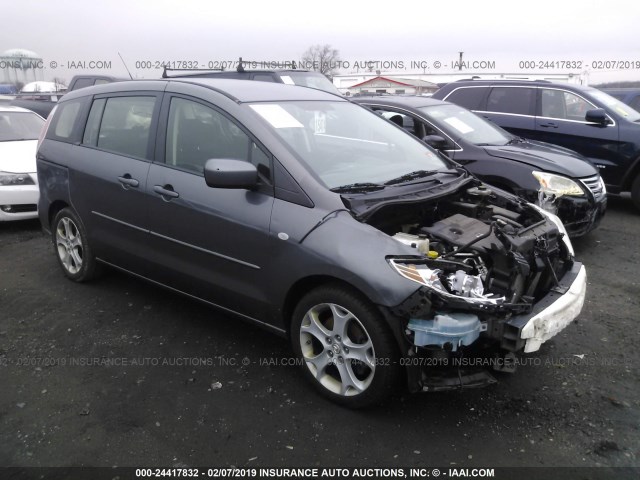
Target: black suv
(584, 119)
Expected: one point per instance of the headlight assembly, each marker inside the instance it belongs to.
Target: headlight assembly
(557, 184)
(14, 179)
(555, 219)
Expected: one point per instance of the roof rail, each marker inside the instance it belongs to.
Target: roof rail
(476, 78)
(166, 70)
(240, 69)
(286, 64)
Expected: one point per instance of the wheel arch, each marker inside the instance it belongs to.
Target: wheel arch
(304, 285)
(631, 175)
(54, 208)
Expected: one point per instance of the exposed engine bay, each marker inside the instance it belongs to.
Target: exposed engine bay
(496, 276)
(481, 258)
(483, 249)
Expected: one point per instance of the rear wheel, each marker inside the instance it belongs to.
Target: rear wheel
(347, 350)
(635, 192)
(72, 248)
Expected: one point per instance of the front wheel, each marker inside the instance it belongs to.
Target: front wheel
(72, 248)
(347, 350)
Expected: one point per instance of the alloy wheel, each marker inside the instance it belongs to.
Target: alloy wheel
(337, 349)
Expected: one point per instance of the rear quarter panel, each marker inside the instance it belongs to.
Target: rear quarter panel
(53, 180)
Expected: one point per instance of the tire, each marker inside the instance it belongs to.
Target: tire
(353, 362)
(72, 248)
(635, 192)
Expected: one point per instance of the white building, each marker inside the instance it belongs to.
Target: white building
(396, 85)
(21, 66)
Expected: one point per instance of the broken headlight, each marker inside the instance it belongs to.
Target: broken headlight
(459, 285)
(555, 219)
(557, 185)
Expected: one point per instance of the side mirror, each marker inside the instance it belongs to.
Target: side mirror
(597, 115)
(227, 173)
(435, 141)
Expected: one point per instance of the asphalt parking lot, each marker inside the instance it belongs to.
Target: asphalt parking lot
(119, 372)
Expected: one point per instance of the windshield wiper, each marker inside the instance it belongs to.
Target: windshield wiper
(408, 177)
(358, 187)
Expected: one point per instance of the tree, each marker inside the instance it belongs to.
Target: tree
(59, 81)
(321, 58)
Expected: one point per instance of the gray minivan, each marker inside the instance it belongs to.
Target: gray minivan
(312, 217)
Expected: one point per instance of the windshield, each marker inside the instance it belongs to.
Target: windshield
(616, 105)
(461, 123)
(19, 126)
(344, 144)
(311, 80)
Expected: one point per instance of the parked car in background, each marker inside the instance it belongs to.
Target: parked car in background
(291, 76)
(630, 96)
(580, 118)
(43, 103)
(312, 217)
(19, 131)
(82, 81)
(8, 89)
(555, 178)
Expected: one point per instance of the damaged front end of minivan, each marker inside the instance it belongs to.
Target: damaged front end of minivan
(496, 276)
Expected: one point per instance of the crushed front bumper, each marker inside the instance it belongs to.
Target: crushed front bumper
(580, 216)
(522, 332)
(550, 315)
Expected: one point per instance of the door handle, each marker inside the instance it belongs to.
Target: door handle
(166, 191)
(549, 125)
(127, 181)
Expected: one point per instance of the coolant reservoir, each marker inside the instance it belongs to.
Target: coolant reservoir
(455, 328)
(419, 242)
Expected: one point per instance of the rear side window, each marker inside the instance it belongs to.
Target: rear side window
(121, 125)
(93, 123)
(64, 121)
(470, 98)
(511, 100)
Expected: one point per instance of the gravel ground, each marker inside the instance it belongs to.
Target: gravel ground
(119, 372)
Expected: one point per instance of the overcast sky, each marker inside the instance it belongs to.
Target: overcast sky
(160, 30)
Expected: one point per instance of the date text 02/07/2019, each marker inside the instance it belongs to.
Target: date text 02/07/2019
(579, 65)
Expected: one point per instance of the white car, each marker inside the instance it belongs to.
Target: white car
(19, 131)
